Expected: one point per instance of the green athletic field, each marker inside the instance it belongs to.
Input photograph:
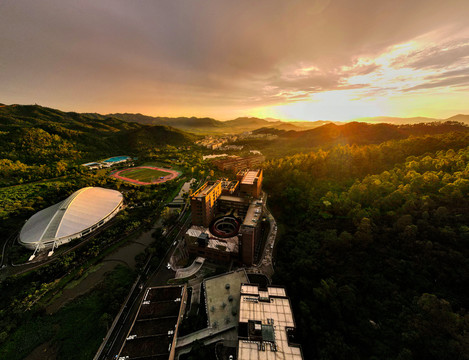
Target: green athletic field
(143, 175)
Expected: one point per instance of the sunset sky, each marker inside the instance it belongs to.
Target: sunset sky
(302, 60)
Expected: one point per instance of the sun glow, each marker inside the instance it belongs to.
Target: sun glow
(338, 105)
(388, 84)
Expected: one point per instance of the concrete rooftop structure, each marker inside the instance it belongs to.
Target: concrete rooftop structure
(253, 215)
(250, 177)
(205, 190)
(265, 325)
(222, 298)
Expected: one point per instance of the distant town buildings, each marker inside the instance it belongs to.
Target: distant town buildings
(251, 135)
(211, 142)
(231, 147)
(226, 219)
(213, 156)
(217, 142)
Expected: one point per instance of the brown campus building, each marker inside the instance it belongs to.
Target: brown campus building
(238, 163)
(203, 203)
(250, 183)
(226, 219)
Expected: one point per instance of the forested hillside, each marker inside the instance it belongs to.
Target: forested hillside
(330, 135)
(357, 133)
(38, 142)
(375, 251)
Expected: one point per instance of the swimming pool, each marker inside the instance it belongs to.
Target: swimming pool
(117, 159)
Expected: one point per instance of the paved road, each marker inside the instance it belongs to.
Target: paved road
(190, 270)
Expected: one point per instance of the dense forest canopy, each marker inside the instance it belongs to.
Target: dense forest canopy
(375, 253)
(353, 133)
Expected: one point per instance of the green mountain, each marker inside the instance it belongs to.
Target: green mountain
(35, 135)
(191, 124)
(363, 133)
(243, 124)
(153, 137)
(353, 133)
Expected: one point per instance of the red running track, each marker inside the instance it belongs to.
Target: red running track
(173, 174)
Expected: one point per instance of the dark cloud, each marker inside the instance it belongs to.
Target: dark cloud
(364, 69)
(98, 55)
(452, 81)
(448, 74)
(436, 57)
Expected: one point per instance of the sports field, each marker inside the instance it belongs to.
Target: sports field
(145, 175)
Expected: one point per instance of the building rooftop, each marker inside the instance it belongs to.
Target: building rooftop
(229, 185)
(267, 316)
(214, 242)
(249, 177)
(205, 189)
(81, 210)
(154, 329)
(232, 199)
(224, 245)
(91, 164)
(271, 290)
(222, 298)
(253, 215)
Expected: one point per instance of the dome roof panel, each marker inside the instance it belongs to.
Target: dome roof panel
(81, 210)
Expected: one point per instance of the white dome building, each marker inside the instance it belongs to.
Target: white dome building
(78, 215)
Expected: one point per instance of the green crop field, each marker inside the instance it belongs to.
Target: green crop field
(144, 175)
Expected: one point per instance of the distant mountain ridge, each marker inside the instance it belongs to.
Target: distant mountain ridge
(35, 134)
(411, 120)
(207, 125)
